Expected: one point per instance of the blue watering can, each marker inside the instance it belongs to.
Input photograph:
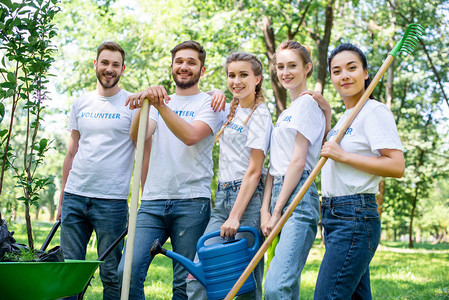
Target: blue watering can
(220, 265)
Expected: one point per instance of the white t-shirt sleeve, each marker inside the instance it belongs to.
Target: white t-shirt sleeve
(73, 124)
(306, 116)
(207, 115)
(259, 130)
(154, 114)
(381, 131)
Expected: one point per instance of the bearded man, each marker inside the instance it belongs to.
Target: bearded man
(97, 168)
(176, 196)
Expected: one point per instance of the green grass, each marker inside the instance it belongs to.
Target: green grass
(396, 271)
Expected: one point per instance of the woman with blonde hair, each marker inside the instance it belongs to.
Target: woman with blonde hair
(295, 149)
(244, 141)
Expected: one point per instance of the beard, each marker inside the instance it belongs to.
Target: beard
(104, 84)
(185, 85)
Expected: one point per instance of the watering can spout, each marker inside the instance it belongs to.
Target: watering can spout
(194, 269)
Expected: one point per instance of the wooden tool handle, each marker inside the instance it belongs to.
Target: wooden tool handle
(134, 199)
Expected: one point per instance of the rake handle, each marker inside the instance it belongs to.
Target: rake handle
(264, 247)
(134, 200)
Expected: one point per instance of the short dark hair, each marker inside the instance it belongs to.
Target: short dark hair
(190, 45)
(112, 46)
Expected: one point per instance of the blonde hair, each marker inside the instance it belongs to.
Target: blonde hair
(257, 68)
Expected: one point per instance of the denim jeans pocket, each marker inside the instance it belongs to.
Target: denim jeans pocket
(344, 212)
(372, 223)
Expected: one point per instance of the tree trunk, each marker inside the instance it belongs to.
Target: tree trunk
(36, 213)
(323, 46)
(280, 94)
(28, 224)
(412, 215)
(380, 197)
(321, 228)
(418, 234)
(52, 212)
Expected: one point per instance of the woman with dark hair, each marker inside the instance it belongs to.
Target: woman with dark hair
(371, 149)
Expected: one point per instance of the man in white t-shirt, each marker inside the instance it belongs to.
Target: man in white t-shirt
(97, 168)
(176, 196)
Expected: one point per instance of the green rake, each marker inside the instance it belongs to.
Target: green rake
(407, 44)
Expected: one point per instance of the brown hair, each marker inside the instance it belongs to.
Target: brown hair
(190, 45)
(112, 46)
(302, 51)
(257, 68)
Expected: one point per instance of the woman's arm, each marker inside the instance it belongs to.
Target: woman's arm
(390, 163)
(265, 214)
(248, 187)
(291, 180)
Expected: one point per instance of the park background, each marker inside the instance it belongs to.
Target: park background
(413, 259)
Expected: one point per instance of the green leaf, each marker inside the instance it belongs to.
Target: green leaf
(8, 85)
(11, 77)
(43, 144)
(7, 3)
(2, 111)
(3, 132)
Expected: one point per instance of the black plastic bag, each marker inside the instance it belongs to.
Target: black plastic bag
(6, 239)
(53, 255)
(9, 245)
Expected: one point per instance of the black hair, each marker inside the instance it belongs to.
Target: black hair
(350, 47)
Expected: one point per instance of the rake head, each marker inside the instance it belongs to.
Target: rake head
(410, 39)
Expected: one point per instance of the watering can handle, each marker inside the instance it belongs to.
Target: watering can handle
(215, 233)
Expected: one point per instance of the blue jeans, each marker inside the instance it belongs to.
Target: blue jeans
(80, 216)
(181, 220)
(224, 201)
(351, 234)
(295, 241)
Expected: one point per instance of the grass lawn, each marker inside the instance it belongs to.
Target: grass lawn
(396, 271)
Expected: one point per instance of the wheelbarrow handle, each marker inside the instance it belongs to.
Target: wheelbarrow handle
(102, 257)
(114, 244)
(50, 235)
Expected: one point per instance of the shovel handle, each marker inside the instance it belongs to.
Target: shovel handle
(134, 200)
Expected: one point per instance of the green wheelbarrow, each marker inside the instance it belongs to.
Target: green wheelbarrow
(45, 280)
(49, 280)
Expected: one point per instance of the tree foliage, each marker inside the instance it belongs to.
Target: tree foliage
(413, 88)
(26, 32)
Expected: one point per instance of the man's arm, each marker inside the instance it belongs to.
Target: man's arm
(189, 134)
(72, 149)
(134, 128)
(146, 160)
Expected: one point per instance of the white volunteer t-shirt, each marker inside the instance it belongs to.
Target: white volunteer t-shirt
(374, 128)
(303, 116)
(178, 171)
(238, 140)
(103, 165)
